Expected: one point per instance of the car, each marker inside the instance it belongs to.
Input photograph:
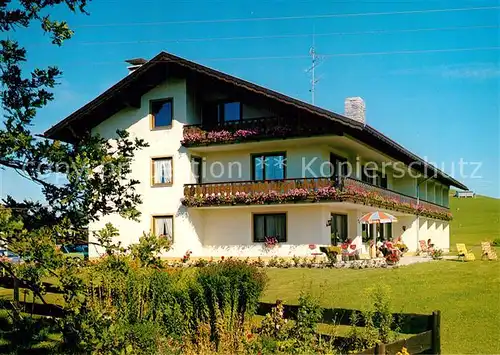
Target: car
(79, 251)
(7, 255)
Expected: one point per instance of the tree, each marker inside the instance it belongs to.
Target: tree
(96, 170)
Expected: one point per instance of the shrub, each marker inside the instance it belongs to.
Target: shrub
(136, 309)
(437, 253)
(379, 323)
(273, 262)
(496, 242)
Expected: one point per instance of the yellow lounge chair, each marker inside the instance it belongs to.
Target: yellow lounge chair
(487, 251)
(464, 254)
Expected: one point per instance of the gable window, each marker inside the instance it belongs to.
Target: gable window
(269, 166)
(269, 225)
(162, 172)
(161, 113)
(220, 112)
(163, 226)
(338, 228)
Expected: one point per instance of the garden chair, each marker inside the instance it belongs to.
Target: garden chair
(464, 254)
(423, 248)
(487, 251)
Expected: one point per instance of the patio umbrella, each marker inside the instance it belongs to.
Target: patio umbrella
(377, 218)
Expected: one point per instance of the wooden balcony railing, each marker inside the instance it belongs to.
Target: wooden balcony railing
(305, 189)
(253, 129)
(283, 186)
(391, 194)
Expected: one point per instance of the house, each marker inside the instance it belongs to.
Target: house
(231, 163)
(464, 194)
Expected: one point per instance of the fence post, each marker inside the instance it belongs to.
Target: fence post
(380, 349)
(436, 332)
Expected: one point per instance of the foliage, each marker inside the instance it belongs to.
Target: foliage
(331, 252)
(378, 322)
(278, 335)
(148, 249)
(496, 242)
(139, 308)
(437, 253)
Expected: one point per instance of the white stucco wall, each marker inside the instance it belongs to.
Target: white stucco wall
(228, 231)
(162, 142)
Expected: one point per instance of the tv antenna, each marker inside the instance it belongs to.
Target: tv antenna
(315, 62)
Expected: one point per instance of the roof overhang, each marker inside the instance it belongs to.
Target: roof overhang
(128, 92)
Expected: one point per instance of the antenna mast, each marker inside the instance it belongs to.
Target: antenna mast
(315, 61)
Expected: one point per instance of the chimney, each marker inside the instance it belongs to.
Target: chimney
(354, 108)
(135, 63)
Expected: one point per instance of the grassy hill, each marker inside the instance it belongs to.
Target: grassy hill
(474, 220)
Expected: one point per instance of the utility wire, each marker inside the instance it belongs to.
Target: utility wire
(300, 35)
(353, 54)
(283, 18)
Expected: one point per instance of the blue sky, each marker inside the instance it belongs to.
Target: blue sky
(442, 105)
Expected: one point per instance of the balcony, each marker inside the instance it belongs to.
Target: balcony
(311, 190)
(254, 129)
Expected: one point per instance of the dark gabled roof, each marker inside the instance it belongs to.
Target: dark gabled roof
(128, 91)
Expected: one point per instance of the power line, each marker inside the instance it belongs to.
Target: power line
(284, 18)
(353, 54)
(299, 35)
(360, 54)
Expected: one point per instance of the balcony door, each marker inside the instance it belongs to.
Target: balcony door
(338, 228)
(338, 167)
(218, 113)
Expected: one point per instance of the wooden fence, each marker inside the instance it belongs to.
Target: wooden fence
(423, 329)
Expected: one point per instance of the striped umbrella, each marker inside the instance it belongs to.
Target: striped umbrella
(377, 217)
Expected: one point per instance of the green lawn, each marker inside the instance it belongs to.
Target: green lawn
(475, 220)
(468, 295)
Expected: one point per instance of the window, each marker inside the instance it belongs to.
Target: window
(230, 111)
(196, 168)
(338, 228)
(217, 113)
(161, 113)
(380, 179)
(162, 172)
(163, 226)
(269, 225)
(368, 175)
(270, 166)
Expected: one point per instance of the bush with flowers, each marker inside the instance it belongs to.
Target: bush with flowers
(271, 242)
(186, 256)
